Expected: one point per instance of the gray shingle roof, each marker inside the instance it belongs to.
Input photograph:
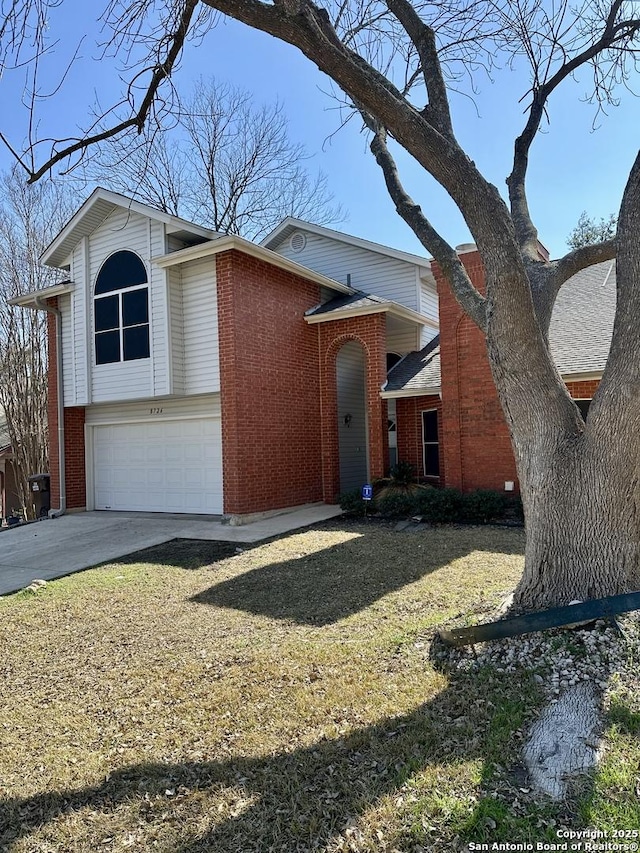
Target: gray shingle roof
(582, 321)
(346, 303)
(417, 369)
(579, 334)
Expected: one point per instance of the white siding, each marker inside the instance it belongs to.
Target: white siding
(429, 300)
(169, 409)
(370, 271)
(402, 341)
(65, 307)
(428, 307)
(176, 329)
(80, 305)
(158, 308)
(200, 327)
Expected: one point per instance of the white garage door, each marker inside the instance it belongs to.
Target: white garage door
(159, 466)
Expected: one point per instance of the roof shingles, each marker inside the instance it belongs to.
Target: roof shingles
(579, 334)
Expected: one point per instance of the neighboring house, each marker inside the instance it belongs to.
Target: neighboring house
(202, 373)
(9, 497)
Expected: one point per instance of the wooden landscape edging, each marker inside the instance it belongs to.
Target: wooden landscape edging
(557, 617)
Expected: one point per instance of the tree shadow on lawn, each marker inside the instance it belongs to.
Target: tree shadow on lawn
(302, 799)
(189, 554)
(325, 586)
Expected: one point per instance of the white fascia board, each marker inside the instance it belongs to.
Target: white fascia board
(231, 241)
(381, 308)
(31, 300)
(369, 245)
(434, 391)
(110, 200)
(582, 377)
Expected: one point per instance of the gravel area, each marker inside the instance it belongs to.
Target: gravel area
(559, 658)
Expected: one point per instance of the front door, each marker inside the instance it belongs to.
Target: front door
(352, 417)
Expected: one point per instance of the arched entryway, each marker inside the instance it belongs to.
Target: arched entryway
(353, 439)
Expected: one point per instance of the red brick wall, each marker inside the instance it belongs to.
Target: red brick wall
(75, 474)
(476, 445)
(409, 431)
(270, 394)
(583, 390)
(370, 331)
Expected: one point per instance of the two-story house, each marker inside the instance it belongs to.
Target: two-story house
(201, 373)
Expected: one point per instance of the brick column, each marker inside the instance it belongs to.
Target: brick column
(370, 332)
(269, 386)
(476, 448)
(74, 417)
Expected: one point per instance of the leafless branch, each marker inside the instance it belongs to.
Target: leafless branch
(580, 259)
(590, 44)
(466, 294)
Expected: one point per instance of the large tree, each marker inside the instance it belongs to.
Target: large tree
(222, 160)
(29, 218)
(396, 63)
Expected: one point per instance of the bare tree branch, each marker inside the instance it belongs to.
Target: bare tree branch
(466, 294)
(160, 73)
(613, 33)
(580, 259)
(423, 37)
(225, 162)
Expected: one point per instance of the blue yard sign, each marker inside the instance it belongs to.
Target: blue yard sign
(367, 493)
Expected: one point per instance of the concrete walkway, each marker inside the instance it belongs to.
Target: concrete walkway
(56, 547)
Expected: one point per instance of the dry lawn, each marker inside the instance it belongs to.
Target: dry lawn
(194, 698)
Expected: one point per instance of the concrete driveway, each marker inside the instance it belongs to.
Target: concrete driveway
(61, 546)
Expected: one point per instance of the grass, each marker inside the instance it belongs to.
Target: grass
(195, 697)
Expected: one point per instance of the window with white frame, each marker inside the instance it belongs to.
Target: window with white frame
(430, 444)
(121, 309)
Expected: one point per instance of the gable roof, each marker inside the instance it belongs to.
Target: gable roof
(579, 336)
(357, 303)
(291, 224)
(582, 321)
(100, 204)
(417, 372)
(226, 242)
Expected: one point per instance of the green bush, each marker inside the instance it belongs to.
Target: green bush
(397, 504)
(440, 506)
(516, 509)
(484, 506)
(351, 503)
(402, 474)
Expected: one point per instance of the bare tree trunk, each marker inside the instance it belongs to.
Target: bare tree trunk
(583, 524)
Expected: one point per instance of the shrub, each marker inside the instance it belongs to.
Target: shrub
(402, 474)
(440, 506)
(397, 504)
(351, 503)
(484, 506)
(516, 509)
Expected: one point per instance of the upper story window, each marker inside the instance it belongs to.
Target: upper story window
(121, 308)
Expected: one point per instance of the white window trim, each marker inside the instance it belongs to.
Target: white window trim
(431, 443)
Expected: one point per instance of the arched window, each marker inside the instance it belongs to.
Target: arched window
(121, 309)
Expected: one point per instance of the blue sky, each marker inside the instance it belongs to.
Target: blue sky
(573, 168)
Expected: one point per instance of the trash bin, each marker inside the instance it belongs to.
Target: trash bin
(39, 484)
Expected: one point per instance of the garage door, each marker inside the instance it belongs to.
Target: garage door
(168, 466)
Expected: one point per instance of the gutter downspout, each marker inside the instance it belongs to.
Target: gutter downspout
(56, 513)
